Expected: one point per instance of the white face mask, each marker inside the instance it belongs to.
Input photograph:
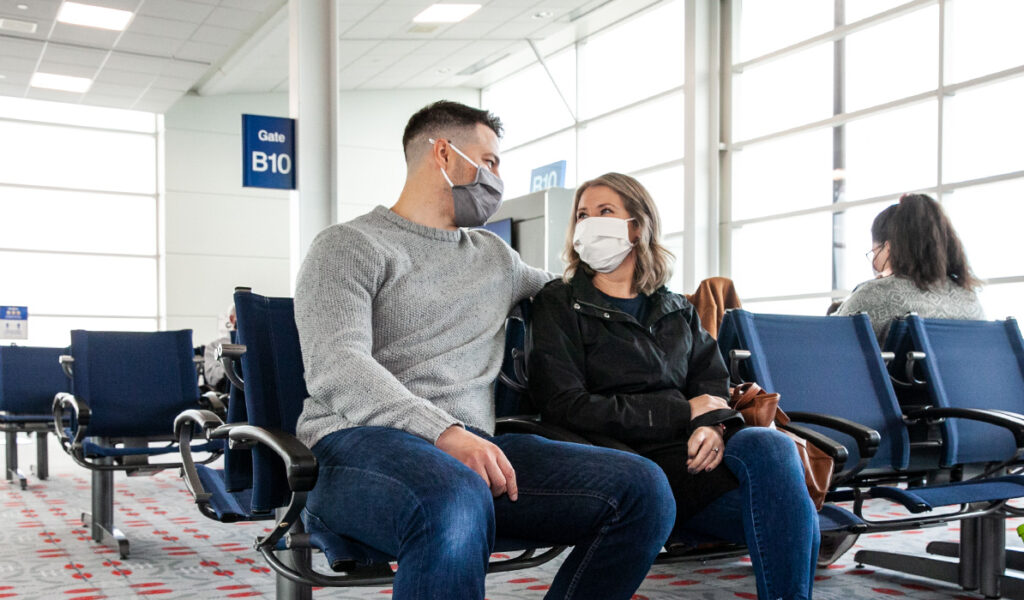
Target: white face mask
(602, 242)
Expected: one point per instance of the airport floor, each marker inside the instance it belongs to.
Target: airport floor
(46, 552)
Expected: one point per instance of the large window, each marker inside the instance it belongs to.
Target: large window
(841, 107)
(613, 101)
(78, 195)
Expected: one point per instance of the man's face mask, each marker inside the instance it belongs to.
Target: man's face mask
(477, 201)
(602, 242)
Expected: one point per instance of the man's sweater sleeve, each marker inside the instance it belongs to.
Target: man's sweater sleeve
(334, 314)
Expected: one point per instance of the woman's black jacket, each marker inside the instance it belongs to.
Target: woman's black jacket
(595, 369)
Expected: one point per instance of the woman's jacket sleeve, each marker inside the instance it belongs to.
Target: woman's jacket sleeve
(558, 387)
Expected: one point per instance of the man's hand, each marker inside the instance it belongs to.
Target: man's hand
(704, 449)
(705, 403)
(483, 457)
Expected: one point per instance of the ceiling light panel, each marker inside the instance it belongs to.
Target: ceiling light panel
(446, 13)
(64, 83)
(87, 15)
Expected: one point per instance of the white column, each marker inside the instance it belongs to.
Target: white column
(700, 250)
(313, 102)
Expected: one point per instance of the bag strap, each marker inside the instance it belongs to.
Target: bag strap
(719, 416)
(744, 393)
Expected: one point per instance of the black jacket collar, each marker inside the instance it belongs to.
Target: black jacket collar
(662, 301)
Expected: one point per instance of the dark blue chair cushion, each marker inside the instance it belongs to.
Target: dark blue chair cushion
(829, 365)
(923, 499)
(135, 383)
(275, 387)
(228, 506)
(29, 379)
(972, 364)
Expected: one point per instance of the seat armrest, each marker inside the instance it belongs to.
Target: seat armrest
(867, 439)
(836, 451)
(1012, 421)
(214, 401)
(299, 463)
(230, 355)
(735, 358)
(531, 424)
(62, 404)
(67, 364)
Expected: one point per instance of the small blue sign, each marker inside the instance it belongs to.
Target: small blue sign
(548, 176)
(14, 322)
(268, 152)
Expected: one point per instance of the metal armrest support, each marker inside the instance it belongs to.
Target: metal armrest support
(67, 364)
(528, 424)
(207, 422)
(735, 357)
(913, 357)
(867, 439)
(65, 401)
(214, 401)
(230, 355)
(834, 449)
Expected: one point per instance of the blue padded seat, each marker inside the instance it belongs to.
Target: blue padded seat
(29, 379)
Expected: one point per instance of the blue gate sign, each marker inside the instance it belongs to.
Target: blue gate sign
(268, 152)
(548, 176)
(14, 322)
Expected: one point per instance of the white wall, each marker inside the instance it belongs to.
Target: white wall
(218, 234)
(370, 158)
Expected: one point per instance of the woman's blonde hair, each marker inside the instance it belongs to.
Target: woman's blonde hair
(653, 261)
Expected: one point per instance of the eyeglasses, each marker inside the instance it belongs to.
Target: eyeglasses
(870, 254)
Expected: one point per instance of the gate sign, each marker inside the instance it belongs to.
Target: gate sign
(14, 322)
(268, 152)
(548, 176)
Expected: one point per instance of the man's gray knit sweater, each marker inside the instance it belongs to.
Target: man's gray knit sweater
(402, 325)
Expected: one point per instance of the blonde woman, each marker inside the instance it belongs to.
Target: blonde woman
(615, 354)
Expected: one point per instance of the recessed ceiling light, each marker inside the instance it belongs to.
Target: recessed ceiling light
(544, 14)
(21, 6)
(88, 15)
(2, 76)
(446, 13)
(18, 25)
(64, 83)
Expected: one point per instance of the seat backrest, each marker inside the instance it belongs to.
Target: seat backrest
(972, 364)
(514, 399)
(275, 388)
(29, 379)
(135, 383)
(828, 365)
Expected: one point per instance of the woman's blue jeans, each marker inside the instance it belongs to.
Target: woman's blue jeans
(403, 496)
(770, 512)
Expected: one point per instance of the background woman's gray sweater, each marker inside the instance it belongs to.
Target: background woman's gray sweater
(402, 325)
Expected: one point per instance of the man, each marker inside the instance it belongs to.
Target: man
(400, 314)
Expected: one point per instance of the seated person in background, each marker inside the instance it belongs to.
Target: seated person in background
(401, 316)
(213, 370)
(920, 266)
(616, 354)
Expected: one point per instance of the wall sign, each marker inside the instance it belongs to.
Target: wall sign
(14, 322)
(548, 176)
(268, 152)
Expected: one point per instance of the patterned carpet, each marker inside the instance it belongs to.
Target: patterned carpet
(46, 553)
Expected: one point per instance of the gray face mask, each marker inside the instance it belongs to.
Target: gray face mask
(477, 201)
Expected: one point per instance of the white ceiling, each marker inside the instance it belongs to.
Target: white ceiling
(172, 47)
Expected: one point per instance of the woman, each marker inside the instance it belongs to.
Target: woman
(615, 354)
(920, 266)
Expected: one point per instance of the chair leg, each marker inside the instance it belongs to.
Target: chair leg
(286, 588)
(12, 472)
(1014, 558)
(993, 556)
(42, 456)
(914, 565)
(101, 521)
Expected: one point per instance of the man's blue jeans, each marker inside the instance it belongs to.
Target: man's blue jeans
(401, 495)
(770, 512)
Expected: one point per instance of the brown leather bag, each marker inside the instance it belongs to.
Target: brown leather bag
(761, 409)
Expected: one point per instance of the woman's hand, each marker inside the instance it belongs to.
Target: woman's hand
(704, 449)
(705, 403)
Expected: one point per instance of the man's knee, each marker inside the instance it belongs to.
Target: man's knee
(457, 513)
(647, 495)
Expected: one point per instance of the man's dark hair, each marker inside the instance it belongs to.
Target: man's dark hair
(923, 246)
(444, 115)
